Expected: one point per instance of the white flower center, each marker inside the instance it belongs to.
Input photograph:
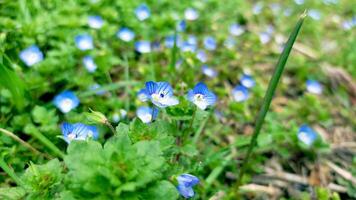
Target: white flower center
(66, 105)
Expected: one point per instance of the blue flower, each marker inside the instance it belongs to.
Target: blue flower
(208, 71)
(257, 8)
(78, 131)
(169, 41)
(89, 63)
(31, 55)
(84, 42)
(95, 22)
(209, 43)
(314, 14)
(119, 115)
(299, 2)
(307, 135)
(201, 96)
(161, 94)
(191, 14)
(125, 34)
(66, 101)
(181, 26)
(143, 46)
(349, 24)
(236, 29)
(142, 95)
(95, 87)
(240, 93)
(247, 81)
(142, 12)
(265, 37)
(147, 114)
(230, 42)
(314, 87)
(201, 55)
(185, 184)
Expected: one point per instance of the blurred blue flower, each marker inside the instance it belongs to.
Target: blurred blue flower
(95, 87)
(192, 40)
(142, 95)
(236, 29)
(287, 12)
(247, 81)
(201, 55)
(181, 26)
(201, 96)
(89, 64)
(275, 7)
(208, 71)
(119, 115)
(186, 46)
(142, 12)
(78, 131)
(66, 101)
(31, 55)
(307, 135)
(314, 14)
(179, 63)
(95, 22)
(299, 2)
(191, 14)
(143, 46)
(349, 24)
(169, 41)
(125, 34)
(265, 37)
(147, 114)
(161, 94)
(257, 8)
(328, 2)
(240, 93)
(185, 184)
(209, 43)
(84, 42)
(314, 87)
(230, 42)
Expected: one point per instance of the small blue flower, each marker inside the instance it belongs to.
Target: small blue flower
(78, 131)
(349, 24)
(185, 184)
(143, 46)
(275, 7)
(89, 64)
(287, 12)
(191, 14)
(179, 63)
(95, 22)
(208, 71)
(181, 26)
(265, 37)
(161, 94)
(147, 114)
(314, 87)
(240, 93)
(257, 8)
(95, 87)
(236, 29)
(201, 96)
(307, 135)
(84, 42)
(169, 41)
(125, 34)
(299, 2)
(142, 95)
(31, 55)
(66, 101)
(201, 55)
(142, 12)
(314, 14)
(119, 115)
(230, 42)
(188, 47)
(209, 43)
(192, 40)
(247, 81)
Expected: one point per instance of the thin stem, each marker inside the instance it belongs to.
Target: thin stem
(15, 137)
(174, 52)
(201, 127)
(269, 95)
(108, 124)
(127, 79)
(10, 172)
(193, 117)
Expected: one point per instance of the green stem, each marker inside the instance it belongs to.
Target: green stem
(152, 66)
(10, 172)
(127, 79)
(269, 95)
(201, 128)
(174, 53)
(108, 87)
(108, 124)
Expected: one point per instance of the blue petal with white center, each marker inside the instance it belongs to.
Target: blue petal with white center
(84, 42)
(208, 71)
(142, 12)
(314, 87)
(247, 81)
(201, 55)
(307, 135)
(31, 55)
(191, 14)
(89, 64)
(95, 22)
(125, 34)
(186, 192)
(230, 42)
(147, 114)
(161, 94)
(209, 43)
(201, 96)
(143, 46)
(78, 131)
(236, 29)
(66, 101)
(240, 93)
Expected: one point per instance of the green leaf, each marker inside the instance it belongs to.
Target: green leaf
(12, 193)
(161, 190)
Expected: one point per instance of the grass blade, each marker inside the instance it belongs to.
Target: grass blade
(10, 172)
(269, 94)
